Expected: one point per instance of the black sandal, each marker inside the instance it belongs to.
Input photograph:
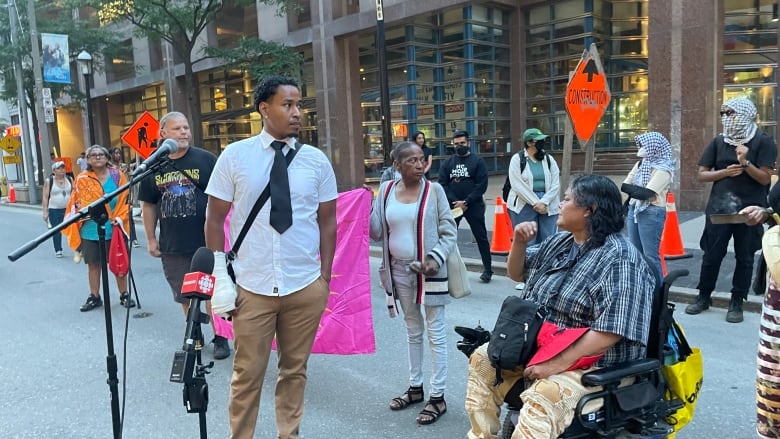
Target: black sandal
(413, 395)
(437, 406)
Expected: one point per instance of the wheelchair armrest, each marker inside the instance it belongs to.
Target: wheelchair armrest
(613, 374)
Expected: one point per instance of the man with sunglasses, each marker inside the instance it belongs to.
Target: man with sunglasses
(739, 163)
(465, 179)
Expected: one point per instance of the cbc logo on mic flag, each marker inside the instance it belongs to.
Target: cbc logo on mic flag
(206, 284)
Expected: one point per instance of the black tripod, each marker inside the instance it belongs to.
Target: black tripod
(188, 368)
(97, 212)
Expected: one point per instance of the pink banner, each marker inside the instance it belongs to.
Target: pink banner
(347, 326)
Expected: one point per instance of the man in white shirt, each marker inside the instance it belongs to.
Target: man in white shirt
(82, 162)
(282, 278)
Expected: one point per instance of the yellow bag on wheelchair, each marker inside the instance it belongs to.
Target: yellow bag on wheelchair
(684, 378)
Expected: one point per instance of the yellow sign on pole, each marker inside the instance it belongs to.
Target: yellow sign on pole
(10, 144)
(12, 160)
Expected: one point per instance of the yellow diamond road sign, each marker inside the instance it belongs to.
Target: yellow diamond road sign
(10, 144)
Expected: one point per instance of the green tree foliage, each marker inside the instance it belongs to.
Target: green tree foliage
(260, 58)
(50, 18)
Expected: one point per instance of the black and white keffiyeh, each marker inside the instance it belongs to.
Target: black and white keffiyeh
(739, 127)
(658, 155)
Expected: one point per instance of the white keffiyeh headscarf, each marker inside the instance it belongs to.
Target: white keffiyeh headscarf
(658, 155)
(740, 127)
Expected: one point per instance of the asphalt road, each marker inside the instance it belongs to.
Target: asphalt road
(53, 361)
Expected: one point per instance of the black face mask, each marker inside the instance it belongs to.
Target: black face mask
(540, 145)
(462, 150)
(539, 155)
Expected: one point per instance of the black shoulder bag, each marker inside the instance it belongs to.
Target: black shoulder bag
(264, 196)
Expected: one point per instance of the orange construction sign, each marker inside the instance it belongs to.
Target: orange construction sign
(587, 95)
(142, 136)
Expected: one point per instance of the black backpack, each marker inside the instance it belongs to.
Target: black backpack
(513, 340)
(508, 186)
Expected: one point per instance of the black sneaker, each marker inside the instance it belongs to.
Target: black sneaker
(734, 314)
(698, 306)
(126, 300)
(486, 276)
(91, 303)
(221, 347)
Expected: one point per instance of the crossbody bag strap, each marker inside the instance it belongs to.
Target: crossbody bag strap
(264, 196)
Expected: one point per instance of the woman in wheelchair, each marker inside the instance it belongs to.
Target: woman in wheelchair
(588, 276)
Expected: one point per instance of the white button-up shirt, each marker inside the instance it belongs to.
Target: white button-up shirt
(269, 263)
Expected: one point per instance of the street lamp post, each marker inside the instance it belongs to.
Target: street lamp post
(85, 65)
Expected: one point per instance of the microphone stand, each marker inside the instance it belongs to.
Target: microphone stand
(97, 212)
(187, 366)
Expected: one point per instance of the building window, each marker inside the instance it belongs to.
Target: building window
(342, 8)
(556, 36)
(749, 57)
(227, 106)
(121, 66)
(446, 71)
(235, 22)
(299, 18)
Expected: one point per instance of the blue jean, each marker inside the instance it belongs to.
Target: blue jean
(56, 216)
(645, 234)
(546, 225)
(405, 283)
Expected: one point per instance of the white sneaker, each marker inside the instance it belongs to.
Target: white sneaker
(76, 257)
(520, 286)
(58, 254)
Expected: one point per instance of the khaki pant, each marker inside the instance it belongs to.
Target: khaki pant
(293, 319)
(548, 404)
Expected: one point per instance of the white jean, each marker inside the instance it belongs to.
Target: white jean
(405, 282)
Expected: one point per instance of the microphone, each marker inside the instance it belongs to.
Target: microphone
(199, 283)
(169, 146)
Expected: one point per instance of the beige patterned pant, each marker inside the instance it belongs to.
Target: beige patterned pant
(548, 404)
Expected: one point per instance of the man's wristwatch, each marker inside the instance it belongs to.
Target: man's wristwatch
(747, 163)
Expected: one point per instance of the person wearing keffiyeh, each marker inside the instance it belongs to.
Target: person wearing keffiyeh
(739, 163)
(647, 208)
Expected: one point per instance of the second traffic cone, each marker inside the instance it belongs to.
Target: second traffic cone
(11, 193)
(501, 241)
(671, 239)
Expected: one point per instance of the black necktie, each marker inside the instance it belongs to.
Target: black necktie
(281, 208)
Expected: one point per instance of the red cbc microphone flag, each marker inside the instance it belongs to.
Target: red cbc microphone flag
(198, 284)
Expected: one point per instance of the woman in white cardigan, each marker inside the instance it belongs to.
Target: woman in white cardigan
(411, 218)
(535, 180)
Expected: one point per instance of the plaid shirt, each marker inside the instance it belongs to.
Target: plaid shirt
(607, 288)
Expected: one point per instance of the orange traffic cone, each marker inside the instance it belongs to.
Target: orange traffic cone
(501, 241)
(11, 193)
(671, 239)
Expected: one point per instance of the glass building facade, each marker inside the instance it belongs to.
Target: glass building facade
(493, 69)
(447, 71)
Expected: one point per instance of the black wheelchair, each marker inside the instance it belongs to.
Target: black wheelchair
(637, 410)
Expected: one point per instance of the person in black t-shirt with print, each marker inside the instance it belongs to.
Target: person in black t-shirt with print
(465, 179)
(174, 196)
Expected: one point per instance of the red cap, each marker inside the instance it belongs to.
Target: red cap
(553, 339)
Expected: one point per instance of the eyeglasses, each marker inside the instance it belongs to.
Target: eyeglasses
(96, 155)
(728, 112)
(413, 160)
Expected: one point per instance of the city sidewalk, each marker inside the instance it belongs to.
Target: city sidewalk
(691, 226)
(684, 290)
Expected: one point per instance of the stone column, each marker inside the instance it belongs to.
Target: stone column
(685, 43)
(337, 79)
